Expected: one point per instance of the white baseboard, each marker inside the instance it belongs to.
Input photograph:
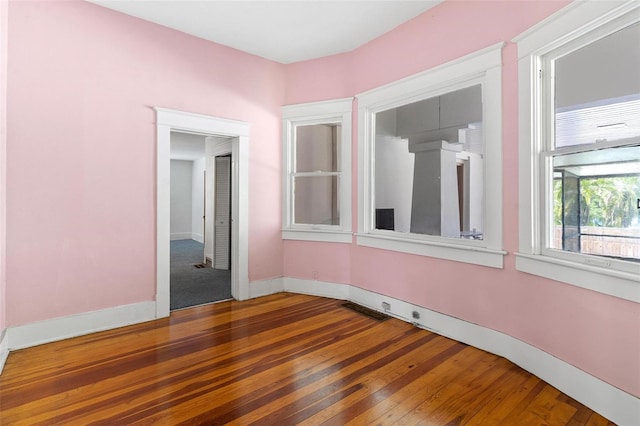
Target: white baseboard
(4, 348)
(24, 336)
(266, 287)
(317, 288)
(180, 236)
(197, 237)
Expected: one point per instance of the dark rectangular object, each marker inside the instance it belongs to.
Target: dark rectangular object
(366, 311)
(385, 219)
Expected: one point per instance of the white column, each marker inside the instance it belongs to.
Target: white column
(435, 209)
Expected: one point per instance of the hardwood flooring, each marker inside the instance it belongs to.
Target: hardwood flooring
(282, 359)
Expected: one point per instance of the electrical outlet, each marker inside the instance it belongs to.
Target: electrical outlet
(386, 306)
(415, 315)
(314, 275)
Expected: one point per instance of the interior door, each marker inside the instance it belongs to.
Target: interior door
(222, 213)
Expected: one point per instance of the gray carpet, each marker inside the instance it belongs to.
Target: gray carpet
(191, 286)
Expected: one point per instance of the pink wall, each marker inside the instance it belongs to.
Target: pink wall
(81, 151)
(81, 172)
(594, 332)
(3, 151)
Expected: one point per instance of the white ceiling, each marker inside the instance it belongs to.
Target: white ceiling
(283, 31)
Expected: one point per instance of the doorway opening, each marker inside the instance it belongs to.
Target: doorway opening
(200, 271)
(223, 137)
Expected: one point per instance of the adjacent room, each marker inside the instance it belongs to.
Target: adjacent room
(196, 238)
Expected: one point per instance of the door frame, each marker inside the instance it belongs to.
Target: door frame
(168, 120)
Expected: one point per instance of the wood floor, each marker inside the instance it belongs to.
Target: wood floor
(283, 359)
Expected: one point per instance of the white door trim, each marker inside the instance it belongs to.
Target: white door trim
(166, 121)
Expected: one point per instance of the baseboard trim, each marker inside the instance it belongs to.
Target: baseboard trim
(24, 336)
(4, 348)
(266, 287)
(197, 237)
(317, 288)
(180, 236)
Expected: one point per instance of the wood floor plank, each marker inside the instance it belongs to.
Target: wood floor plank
(282, 359)
(377, 385)
(377, 342)
(356, 382)
(547, 409)
(495, 411)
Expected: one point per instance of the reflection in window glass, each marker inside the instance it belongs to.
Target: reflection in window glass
(597, 90)
(317, 148)
(429, 172)
(316, 201)
(316, 176)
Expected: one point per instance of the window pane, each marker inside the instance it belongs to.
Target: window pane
(429, 170)
(597, 90)
(317, 148)
(596, 202)
(316, 200)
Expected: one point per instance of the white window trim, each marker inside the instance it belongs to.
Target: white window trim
(484, 67)
(570, 23)
(331, 111)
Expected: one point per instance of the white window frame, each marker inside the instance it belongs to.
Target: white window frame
(482, 67)
(576, 25)
(337, 111)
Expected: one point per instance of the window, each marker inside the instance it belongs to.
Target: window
(431, 161)
(428, 166)
(580, 148)
(317, 183)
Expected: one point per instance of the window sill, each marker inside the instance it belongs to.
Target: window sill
(317, 235)
(603, 280)
(442, 250)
